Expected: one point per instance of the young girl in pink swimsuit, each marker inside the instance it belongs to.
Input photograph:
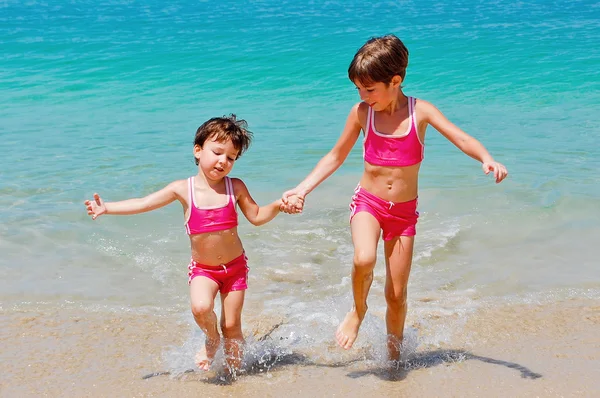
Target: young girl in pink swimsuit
(386, 198)
(218, 263)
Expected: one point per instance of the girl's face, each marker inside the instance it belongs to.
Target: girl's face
(379, 95)
(216, 158)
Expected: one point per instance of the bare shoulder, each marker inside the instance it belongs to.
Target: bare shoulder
(425, 109)
(422, 105)
(179, 187)
(239, 187)
(360, 111)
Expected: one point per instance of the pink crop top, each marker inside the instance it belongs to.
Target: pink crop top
(214, 218)
(393, 150)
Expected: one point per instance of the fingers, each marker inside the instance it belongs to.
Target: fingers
(293, 206)
(286, 195)
(288, 209)
(291, 210)
(297, 204)
(291, 203)
(292, 195)
(502, 174)
(91, 206)
(499, 170)
(90, 210)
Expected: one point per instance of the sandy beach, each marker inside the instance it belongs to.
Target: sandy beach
(548, 350)
(106, 97)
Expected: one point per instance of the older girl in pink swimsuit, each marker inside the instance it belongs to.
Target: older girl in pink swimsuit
(218, 263)
(386, 198)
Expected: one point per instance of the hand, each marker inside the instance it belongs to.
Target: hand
(499, 170)
(292, 201)
(96, 207)
(294, 205)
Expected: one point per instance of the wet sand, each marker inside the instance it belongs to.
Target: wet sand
(550, 350)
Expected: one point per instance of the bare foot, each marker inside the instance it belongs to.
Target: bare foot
(394, 346)
(348, 330)
(207, 353)
(233, 349)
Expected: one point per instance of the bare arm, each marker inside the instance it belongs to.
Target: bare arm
(174, 191)
(333, 159)
(257, 215)
(463, 141)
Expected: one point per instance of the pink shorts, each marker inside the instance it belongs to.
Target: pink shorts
(230, 277)
(395, 219)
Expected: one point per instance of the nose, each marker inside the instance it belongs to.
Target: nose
(363, 95)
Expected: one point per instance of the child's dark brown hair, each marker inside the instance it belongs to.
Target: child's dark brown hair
(379, 60)
(225, 128)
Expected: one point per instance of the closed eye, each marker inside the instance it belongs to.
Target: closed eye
(369, 90)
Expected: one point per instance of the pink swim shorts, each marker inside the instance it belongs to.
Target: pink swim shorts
(395, 219)
(230, 277)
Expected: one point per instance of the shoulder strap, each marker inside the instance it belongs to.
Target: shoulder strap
(191, 191)
(413, 114)
(229, 189)
(369, 120)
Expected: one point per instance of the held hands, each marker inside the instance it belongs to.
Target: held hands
(96, 207)
(499, 170)
(292, 202)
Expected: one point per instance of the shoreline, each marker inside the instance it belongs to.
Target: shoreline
(546, 349)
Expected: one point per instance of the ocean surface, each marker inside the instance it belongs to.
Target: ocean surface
(105, 96)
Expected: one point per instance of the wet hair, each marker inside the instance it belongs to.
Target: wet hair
(225, 128)
(379, 60)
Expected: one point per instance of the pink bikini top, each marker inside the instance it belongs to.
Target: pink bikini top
(393, 150)
(213, 218)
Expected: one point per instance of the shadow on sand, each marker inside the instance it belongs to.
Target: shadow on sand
(394, 372)
(429, 359)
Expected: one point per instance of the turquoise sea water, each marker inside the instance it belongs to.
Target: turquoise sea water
(105, 96)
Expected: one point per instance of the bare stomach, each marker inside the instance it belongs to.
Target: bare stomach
(394, 184)
(215, 248)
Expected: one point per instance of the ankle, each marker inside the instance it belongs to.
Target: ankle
(213, 340)
(359, 313)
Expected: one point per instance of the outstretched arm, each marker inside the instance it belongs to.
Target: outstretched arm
(462, 140)
(332, 160)
(168, 194)
(256, 214)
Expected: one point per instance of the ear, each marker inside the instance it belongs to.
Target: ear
(396, 81)
(197, 151)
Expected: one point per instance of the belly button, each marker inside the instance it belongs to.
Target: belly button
(219, 257)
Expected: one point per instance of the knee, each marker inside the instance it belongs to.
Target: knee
(396, 298)
(202, 309)
(364, 261)
(231, 328)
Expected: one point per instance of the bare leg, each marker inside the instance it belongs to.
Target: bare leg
(365, 236)
(202, 294)
(398, 260)
(231, 326)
